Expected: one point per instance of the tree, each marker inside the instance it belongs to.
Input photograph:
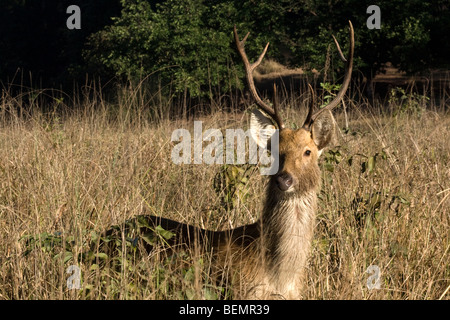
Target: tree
(412, 34)
(181, 40)
(189, 45)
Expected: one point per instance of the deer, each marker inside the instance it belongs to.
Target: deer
(270, 255)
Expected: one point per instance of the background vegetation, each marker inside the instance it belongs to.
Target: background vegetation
(188, 43)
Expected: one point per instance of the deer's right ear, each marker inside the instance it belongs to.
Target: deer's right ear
(323, 130)
(261, 128)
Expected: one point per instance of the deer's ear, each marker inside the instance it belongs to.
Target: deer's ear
(323, 130)
(261, 128)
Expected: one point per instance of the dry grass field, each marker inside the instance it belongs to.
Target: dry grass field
(67, 176)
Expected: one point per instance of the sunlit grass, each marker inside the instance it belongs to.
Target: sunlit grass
(384, 201)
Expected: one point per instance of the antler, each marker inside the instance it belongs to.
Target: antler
(249, 73)
(312, 102)
(348, 66)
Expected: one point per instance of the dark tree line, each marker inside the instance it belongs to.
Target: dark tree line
(189, 44)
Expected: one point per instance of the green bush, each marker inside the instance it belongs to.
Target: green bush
(176, 40)
(189, 43)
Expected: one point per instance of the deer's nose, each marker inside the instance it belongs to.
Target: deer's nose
(284, 181)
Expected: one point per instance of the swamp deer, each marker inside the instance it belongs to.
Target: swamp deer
(270, 255)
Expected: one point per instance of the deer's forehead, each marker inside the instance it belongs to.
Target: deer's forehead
(293, 139)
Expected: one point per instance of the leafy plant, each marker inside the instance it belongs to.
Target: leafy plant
(407, 103)
(369, 164)
(332, 157)
(178, 40)
(230, 183)
(330, 91)
(50, 243)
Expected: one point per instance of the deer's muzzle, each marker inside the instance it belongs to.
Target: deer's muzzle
(284, 181)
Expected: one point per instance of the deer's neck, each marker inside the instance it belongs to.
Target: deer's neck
(286, 232)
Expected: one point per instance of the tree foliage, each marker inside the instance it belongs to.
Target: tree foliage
(176, 39)
(189, 44)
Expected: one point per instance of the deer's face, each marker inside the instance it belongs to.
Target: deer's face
(298, 168)
(298, 152)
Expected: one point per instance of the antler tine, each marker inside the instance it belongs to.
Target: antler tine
(251, 84)
(275, 99)
(312, 103)
(348, 74)
(341, 55)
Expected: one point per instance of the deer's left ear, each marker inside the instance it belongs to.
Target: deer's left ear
(323, 130)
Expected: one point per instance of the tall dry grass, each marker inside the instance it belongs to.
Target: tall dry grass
(71, 174)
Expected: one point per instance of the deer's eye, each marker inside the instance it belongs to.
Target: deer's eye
(307, 152)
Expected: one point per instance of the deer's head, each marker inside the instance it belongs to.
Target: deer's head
(299, 149)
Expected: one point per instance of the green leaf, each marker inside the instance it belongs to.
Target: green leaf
(189, 276)
(329, 167)
(94, 267)
(149, 238)
(338, 157)
(210, 294)
(190, 294)
(102, 255)
(164, 233)
(94, 236)
(143, 222)
(371, 164)
(66, 254)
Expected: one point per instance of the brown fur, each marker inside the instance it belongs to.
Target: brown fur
(268, 258)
